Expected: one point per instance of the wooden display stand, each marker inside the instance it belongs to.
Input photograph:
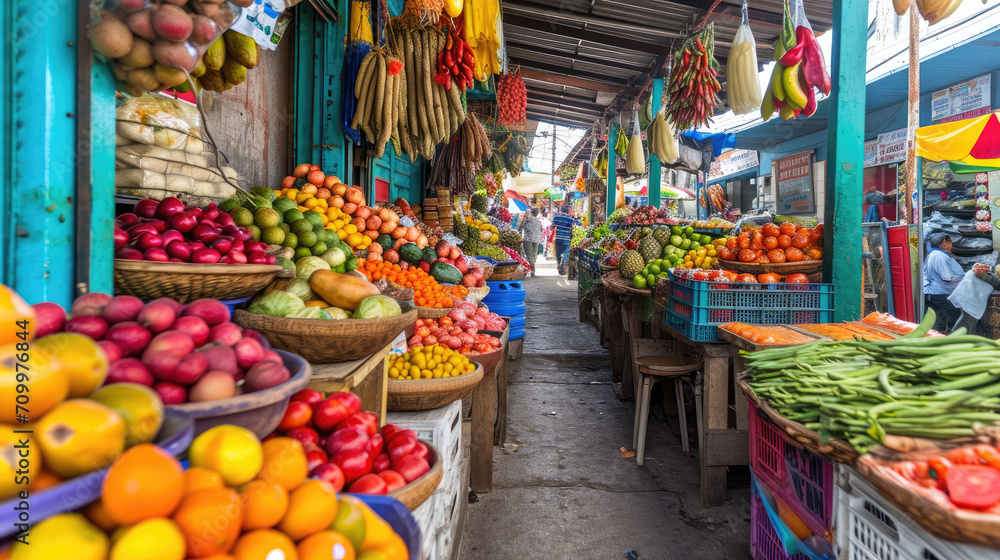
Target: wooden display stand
(489, 420)
(366, 378)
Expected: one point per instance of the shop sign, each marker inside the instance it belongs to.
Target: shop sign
(961, 101)
(794, 180)
(732, 162)
(871, 153)
(892, 147)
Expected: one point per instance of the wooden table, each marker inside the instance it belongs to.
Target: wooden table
(366, 378)
(489, 420)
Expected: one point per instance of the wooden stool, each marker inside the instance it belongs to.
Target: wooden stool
(652, 369)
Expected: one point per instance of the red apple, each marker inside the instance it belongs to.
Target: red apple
(393, 480)
(331, 473)
(49, 318)
(369, 484)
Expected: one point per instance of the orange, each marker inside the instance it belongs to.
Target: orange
(48, 385)
(284, 462)
(145, 482)
(395, 548)
(198, 478)
(45, 479)
(326, 545)
(210, 520)
(259, 544)
(13, 310)
(98, 515)
(218, 557)
(83, 362)
(264, 504)
(312, 507)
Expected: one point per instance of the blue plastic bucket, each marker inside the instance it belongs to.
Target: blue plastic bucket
(232, 304)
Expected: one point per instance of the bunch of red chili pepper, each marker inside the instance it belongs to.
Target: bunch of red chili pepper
(694, 84)
(970, 476)
(456, 61)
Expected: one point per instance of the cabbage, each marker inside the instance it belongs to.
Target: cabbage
(337, 313)
(305, 266)
(307, 313)
(299, 287)
(334, 256)
(278, 304)
(377, 306)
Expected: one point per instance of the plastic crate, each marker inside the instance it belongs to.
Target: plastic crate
(870, 528)
(721, 315)
(752, 296)
(692, 331)
(765, 544)
(804, 481)
(770, 537)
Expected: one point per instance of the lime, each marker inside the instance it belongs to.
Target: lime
(686, 244)
(667, 250)
(285, 227)
(298, 226)
(266, 217)
(314, 218)
(272, 236)
(241, 216)
(255, 231)
(283, 205)
(654, 269)
(695, 245)
(292, 215)
(650, 280)
(706, 239)
(319, 248)
(676, 230)
(676, 240)
(638, 281)
(302, 252)
(689, 231)
(291, 240)
(307, 238)
(674, 259)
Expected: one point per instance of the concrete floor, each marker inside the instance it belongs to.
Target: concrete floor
(561, 487)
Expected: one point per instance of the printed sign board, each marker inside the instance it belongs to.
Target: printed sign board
(794, 180)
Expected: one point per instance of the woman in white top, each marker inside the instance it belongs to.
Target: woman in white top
(531, 231)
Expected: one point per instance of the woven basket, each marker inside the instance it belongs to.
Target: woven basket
(614, 283)
(784, 269)
(325, 341)
(433, 312)
(428, 394)
(518, 274)
(186, 282)
(417, 492)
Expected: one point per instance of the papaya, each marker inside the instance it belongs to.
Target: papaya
(341, 290)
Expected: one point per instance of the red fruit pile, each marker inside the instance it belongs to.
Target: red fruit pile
(346, 448)
(772, 243)
(512, 99)
(168, 231)
(186, 353)
(460, 330)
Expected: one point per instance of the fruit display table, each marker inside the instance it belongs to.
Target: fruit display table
(489, 420)
(366, 378)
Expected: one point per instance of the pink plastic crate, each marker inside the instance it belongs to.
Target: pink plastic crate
(764, 541)
(803, 480)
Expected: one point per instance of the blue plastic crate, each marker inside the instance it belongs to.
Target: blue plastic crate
(814, 297)
(720, 315)
(692, 331)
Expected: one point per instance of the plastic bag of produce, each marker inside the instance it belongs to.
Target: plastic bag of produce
(742, 86)
(635, 159)
(160, 121)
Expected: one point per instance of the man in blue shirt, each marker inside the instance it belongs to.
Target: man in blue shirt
(563, 224)
(942, 273)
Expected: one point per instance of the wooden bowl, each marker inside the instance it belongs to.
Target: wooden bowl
(784, 269)
(186, 282)
(326, 341)
(260, 412)
(428, 394)
(417, 492)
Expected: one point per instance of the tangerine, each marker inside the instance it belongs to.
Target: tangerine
(98, 515)
(145, 482)
(326, 545)
(260, 544)
(284, 462)
(312, 507)
(264, 504)
(197, 478)
(395, 548)
(210, 520)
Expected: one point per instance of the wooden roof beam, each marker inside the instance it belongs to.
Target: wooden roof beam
(547, 24)
(591, 85)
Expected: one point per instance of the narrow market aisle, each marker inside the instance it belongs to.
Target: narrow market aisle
(561, 487)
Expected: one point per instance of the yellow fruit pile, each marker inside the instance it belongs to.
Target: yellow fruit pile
(487, 231)
(240, 500)
(334, 218)
(703, 257)
(429, 362)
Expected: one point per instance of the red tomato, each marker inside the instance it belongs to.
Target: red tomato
(788, 229)
(771, 230)
(725, 254)
(784, 241)
(800, 241)
(794, 255)
(817, 235)
(761, 258)
(769, 278)
(973, 487)
(770, 242)
(757, 241)
(796, 279)
(297, 414)
(776, 256)
(746, 255)
(731, 244)
(747, 278)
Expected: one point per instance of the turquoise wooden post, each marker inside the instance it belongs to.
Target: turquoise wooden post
(609, 203)
(842, 265)
(102, 171)
(654, 162)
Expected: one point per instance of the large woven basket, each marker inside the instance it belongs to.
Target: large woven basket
(433, 312)
(428, 394)
(186, 282)
(784, 269)
(325, 341)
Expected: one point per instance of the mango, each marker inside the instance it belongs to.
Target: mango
(68, 535)
(234, 72)
(11, 455)
(215, 55)
(139, 406)
(79, 436)
(241, 48)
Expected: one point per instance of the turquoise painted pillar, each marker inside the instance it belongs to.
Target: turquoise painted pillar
(100, 237)
(844, 173)
(609, 202)
(654, 162)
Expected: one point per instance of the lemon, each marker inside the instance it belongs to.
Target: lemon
(68, 535)
(153, 539)
(232, 451)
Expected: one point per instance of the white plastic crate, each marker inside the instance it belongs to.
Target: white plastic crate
(870, 528)
(442, 427)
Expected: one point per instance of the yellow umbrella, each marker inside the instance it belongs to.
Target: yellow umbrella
(972, 141)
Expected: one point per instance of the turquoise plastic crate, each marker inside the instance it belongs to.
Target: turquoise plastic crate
(758, 316)
(692, 331)
(699, 293)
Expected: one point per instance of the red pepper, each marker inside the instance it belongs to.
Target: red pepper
(938, 467)
(989, 454)
(701, 47)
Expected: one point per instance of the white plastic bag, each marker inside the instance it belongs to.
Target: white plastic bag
(635, 160)
(971, 295)
(742, 84)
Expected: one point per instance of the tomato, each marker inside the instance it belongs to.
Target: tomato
(974, 487)
(800, 241)
(814, 253)
(769, 278)
(817, 235)
(747, 278)
(297, 414)
(771, 230)
(964, 456)
(784, 241)
(797, 278)
(770, 242)
(746, 255)
(744, 242)
(794, 255)
(989, 454)
(757, 241)
(725, 254)
(761, 258)
(776, 256)
(731, 244)
(788, 229)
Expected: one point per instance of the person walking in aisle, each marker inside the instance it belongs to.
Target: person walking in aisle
(563, 224)
(530, 229)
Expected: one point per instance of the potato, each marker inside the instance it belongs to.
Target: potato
(111, 37)
(119, 70)
(222, 14)
(169, 77)
(141, 55)
(142, 78)
(172, 23)
(175, 55)
(129, 6)
(204, 30)
(141, 23)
